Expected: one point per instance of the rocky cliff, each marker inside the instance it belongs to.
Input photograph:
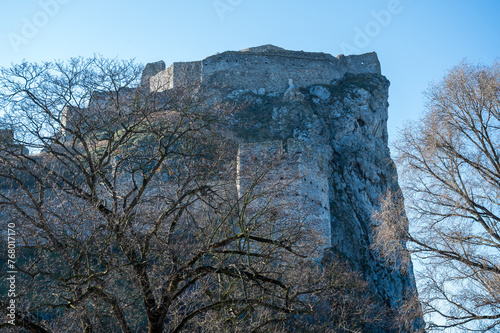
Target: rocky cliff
(342, 130)
(330, 116)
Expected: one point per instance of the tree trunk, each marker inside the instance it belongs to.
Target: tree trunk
(155, 325)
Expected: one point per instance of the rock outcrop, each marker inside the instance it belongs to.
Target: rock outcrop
(329, 115)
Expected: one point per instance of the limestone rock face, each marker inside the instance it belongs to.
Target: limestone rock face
(331, 115)
(349, 116)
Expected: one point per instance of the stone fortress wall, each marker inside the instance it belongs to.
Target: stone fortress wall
(298, 172)
(267, 67)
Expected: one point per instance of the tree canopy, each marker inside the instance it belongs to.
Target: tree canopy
(127, 216)
(451, 180)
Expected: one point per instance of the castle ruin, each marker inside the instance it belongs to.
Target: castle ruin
(326, 117)
(266, 67)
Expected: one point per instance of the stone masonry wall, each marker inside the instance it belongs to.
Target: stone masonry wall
(295, 176)
(270, 68)
(178, 74)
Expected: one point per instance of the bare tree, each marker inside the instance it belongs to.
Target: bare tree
(451, 175)
(128, 217)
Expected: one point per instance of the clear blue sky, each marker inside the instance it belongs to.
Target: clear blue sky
(416, 43)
